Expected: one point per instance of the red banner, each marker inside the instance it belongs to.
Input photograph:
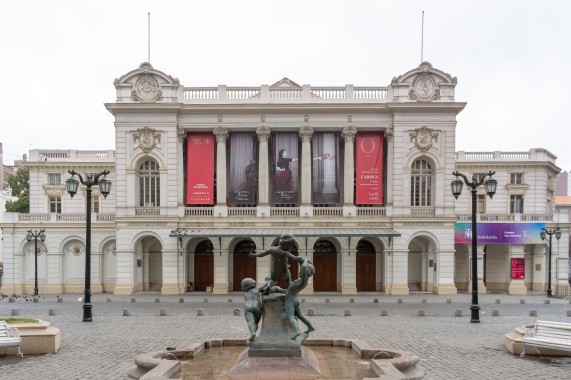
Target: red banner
(518, 269)
(369, 188)
(200, 170)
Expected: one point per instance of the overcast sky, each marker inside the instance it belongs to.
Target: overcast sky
(58, 60)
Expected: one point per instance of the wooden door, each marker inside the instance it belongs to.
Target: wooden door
(325, 277)
(293, 268)
(203, 270)
(366, 271)
(244, 266)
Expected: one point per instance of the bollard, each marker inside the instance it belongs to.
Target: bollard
(200, 312)
(205, 300)
(15, 312)
(11, 299)
(126, 313)
(347, 312)
(522, 302)
(495, 313)
(310, 312)
(162, 313)
(449, 300)
(133, 299)
(533, 313)
(60, 299)
(230, 300)
(181, 300)
(327, 300)
(547, 302)
(36, 299)
(384, 313)
(375, 300)
(108, 299)
(236, 312)
(498, 301)
(157, 300)
(351, 300)
(399, 300)
(51, 312)
(458, 313)
(424, 300)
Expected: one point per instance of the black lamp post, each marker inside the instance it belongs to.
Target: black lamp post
(490, 187)
(105, 186)
(35, 235)
(544, 232)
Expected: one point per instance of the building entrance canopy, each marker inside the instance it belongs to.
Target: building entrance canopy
(297, 232)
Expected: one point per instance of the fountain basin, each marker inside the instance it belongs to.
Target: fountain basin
(384, 363)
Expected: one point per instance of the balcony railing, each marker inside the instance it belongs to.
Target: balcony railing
(148, 211)
(62, 218)
(505, 217)
(242, 211)
(423, 211)
(371, 211)
(328, 211)
(284, 211)
(198, 211)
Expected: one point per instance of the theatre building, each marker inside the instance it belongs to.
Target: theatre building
(201, 176)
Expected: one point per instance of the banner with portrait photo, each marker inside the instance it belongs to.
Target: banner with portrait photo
(200, 169)
(325, 183)
(369, 172)
(285, 168)
(242, 172)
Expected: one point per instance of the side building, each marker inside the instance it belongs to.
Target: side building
(359, 175)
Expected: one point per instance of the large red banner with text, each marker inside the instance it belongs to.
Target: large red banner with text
(369, 187)
(200, 170)
(518, 269)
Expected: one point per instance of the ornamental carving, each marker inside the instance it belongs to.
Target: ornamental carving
(389, 133)
(221, 134)
(147, 88)
(424, 88)
(181, 134)
(305, 133)
(263, 133)
(349, 134)
(423, 138)
(147, 138)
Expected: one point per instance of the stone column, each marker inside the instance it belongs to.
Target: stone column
(170, 271)
(220, 265)
(305, 134)
(221, 208)
(349, 266)
(124, 272)
(349, 209)
(481, 286)
(390, 173)
(515, 251)
(445, 272)
(539, 268)
(263, 208)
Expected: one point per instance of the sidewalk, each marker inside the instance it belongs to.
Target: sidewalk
(449, 347)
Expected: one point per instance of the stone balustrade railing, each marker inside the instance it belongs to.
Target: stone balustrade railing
(371, 211)
(423, 211)
(147, 211)
(267, 94)
(504, 217)
(198, 211)
(56, 217)
(531, 155)
(242, 211)
(328, 211)
(72, 155)
(284, 211)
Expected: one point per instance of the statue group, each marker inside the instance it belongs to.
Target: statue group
(255, 295)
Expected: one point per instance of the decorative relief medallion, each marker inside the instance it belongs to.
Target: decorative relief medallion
(424, 89)
(147, 139)
(76, 250)
(423, 138)
(147, 89)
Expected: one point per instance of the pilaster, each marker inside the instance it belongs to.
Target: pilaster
(305, 134)
(221, 208)
(516, 286)
(349, 171)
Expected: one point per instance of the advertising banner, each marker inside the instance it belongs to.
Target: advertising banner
(369, 173)
(518, 269)
(500, 233)
(243, 173)
(200, 169)
(325, 168)
(285, 168)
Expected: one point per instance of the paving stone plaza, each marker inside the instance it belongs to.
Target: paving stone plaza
(449, 347)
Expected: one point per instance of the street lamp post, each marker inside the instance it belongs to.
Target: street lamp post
(490, 186)
(544, 232)
(35, 235)
(105, 186)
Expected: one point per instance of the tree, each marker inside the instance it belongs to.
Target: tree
(20, 186)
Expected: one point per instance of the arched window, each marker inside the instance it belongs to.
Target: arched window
(149, 184)
(421, 184)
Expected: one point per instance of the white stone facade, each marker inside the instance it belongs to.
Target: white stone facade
(405, 244)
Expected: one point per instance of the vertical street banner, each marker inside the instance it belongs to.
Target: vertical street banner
(518, 269)
(369, 173)
(285, 168)
(325, 168)
(200, 169)
(243, 171)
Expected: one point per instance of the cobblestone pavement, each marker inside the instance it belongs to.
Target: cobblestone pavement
(449, 347)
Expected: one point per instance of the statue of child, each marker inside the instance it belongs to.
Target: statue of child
(292, 301)
(253, 307)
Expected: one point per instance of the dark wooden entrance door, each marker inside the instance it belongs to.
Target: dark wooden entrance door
(366, 271)
(294, 270)
(244, 266)
(325, 262)
(203, 270)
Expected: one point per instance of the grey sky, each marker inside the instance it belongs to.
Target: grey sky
(59, 60)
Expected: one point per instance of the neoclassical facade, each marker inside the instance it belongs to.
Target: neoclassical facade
(359, 175)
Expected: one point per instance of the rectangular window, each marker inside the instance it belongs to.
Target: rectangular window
(516, 204)
(55, 179)
(55, 204)
(516, 178)
(481, 203)
(95, 204)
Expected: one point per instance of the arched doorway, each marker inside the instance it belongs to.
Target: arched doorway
(366, 266)
(244, 265)
(325, 262)
(149, 264)
(203, 265)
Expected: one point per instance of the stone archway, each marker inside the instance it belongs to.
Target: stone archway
(366, 266)
(242, 264)
(325, 262)
(203, 265)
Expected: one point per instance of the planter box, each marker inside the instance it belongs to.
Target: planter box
(37, 338)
